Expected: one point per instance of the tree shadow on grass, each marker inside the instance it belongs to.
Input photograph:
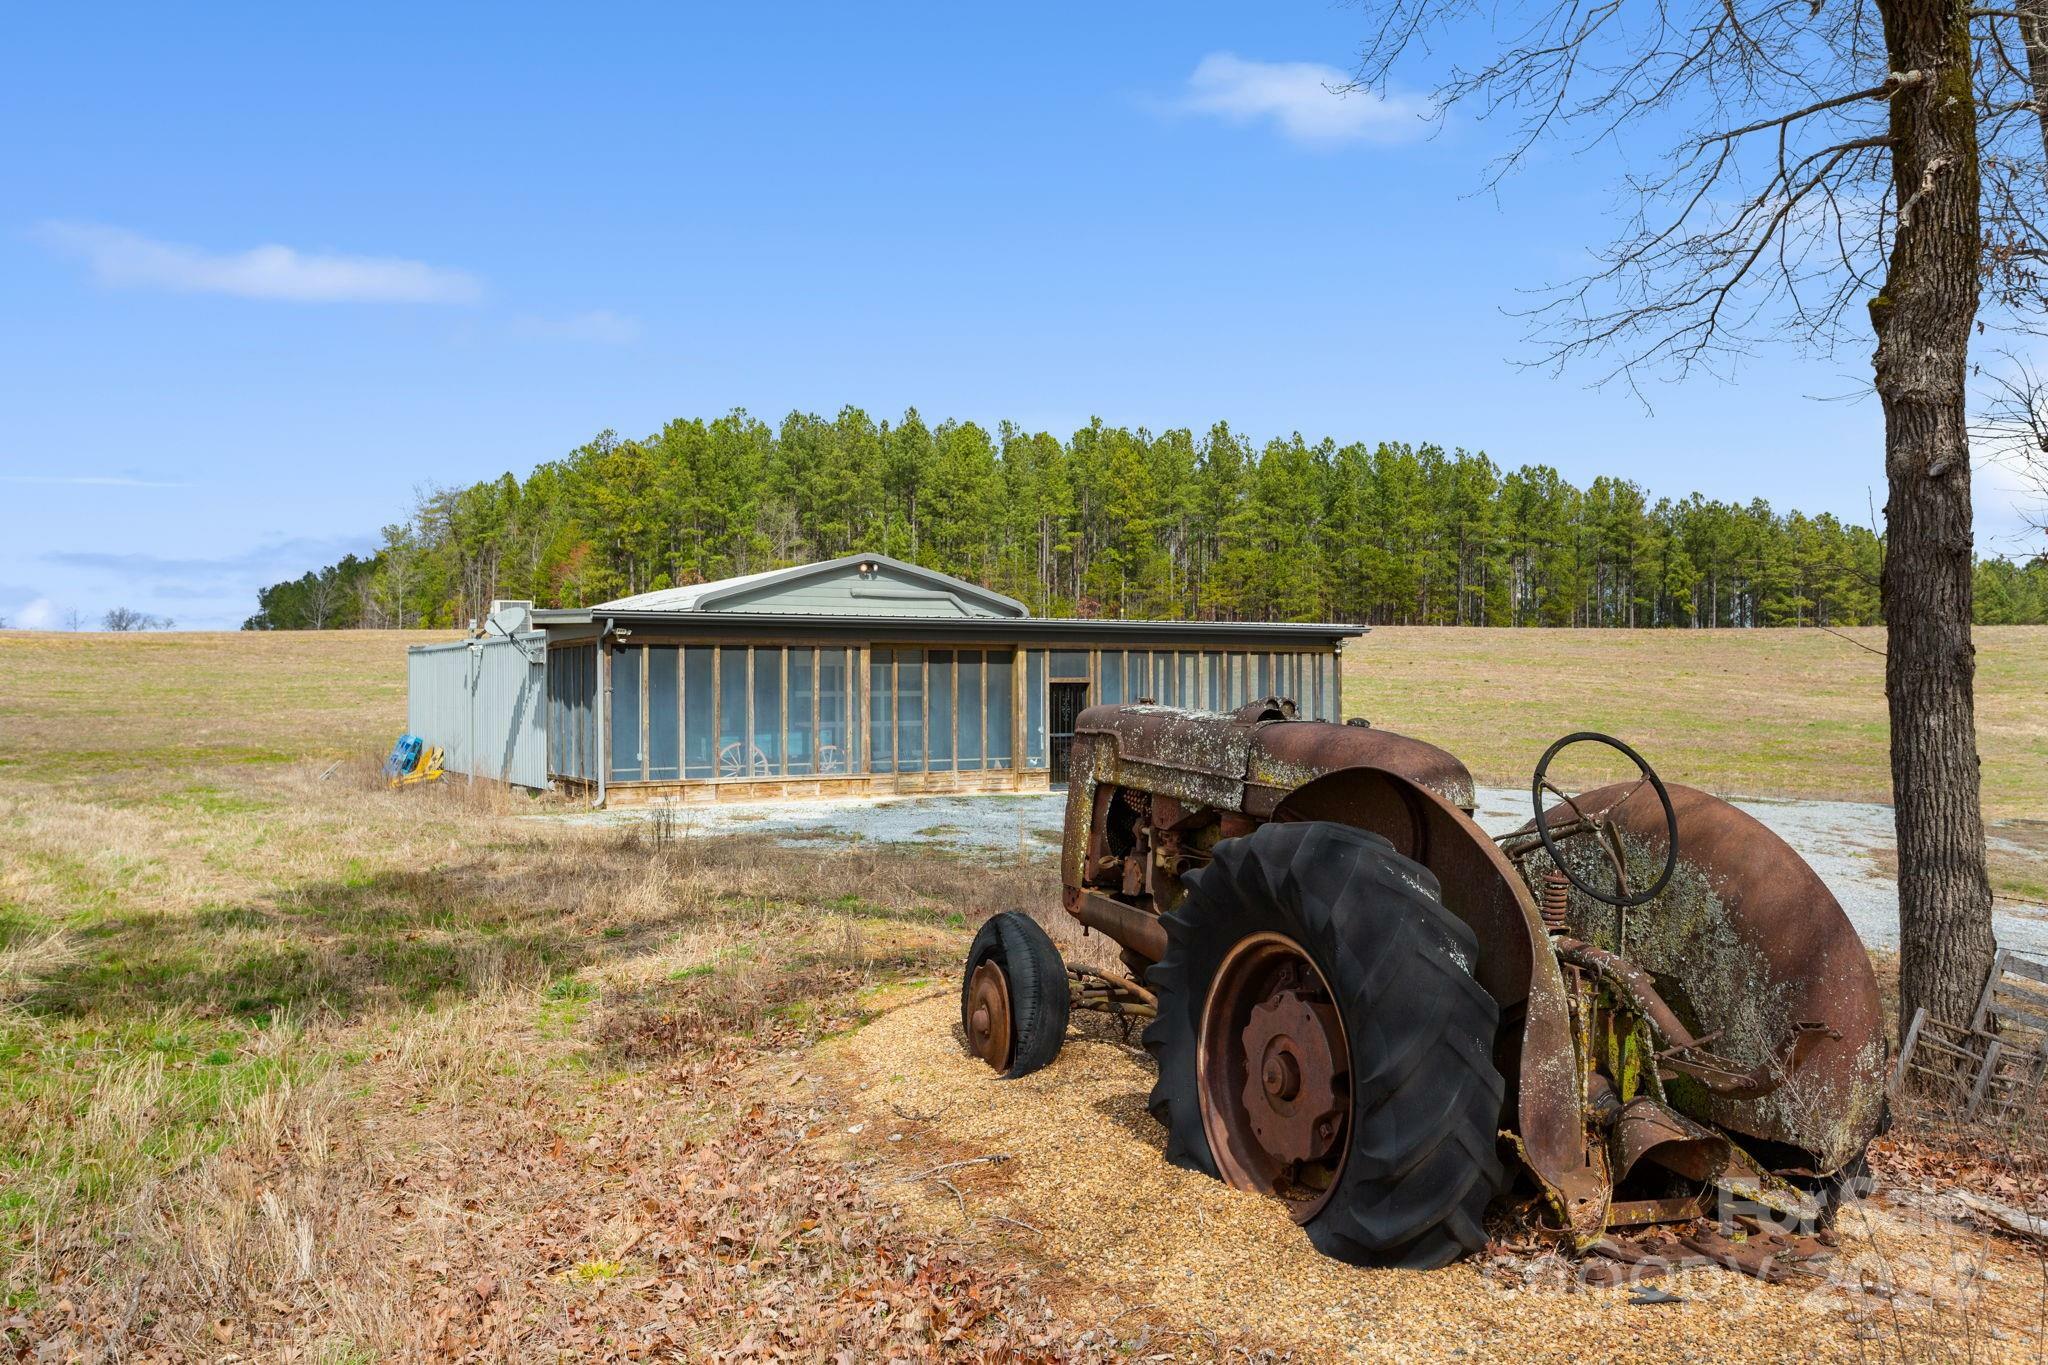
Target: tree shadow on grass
(429, 935)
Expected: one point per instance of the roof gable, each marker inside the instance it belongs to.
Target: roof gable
(856, 585)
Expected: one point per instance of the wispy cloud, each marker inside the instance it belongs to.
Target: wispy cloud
(1306, 101)
(122, 259)
(277, 559)
(90, 480)
(599, 325)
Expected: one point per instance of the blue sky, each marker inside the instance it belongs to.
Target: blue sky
(267, 272)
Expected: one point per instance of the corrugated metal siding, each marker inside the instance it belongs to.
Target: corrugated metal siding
(483, 703)
(887, 593)
(572, 711)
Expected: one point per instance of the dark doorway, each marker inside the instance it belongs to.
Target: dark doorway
(1067, 700)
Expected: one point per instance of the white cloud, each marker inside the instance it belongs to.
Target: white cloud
(119, 258)
(40, 614)
(1305, 100)
(599, 325)
(2010, 501)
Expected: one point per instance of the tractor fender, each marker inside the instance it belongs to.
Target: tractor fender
(1534, 1049)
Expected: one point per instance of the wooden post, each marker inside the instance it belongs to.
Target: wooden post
(1984, 1077)
(1906, 1048)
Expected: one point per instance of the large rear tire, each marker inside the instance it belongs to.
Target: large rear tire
(1332, 958)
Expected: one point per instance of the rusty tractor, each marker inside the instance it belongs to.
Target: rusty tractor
(1636, 1008)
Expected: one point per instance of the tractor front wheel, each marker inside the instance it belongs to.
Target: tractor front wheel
(1013, 995)
(1321, 1039)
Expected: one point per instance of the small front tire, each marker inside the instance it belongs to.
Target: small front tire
(1013, 996)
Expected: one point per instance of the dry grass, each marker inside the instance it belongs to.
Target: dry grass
(299, 1066)
(1750, 713)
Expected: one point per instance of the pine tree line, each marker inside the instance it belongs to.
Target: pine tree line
(1116, 522)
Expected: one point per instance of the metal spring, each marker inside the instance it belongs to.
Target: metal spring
(1556, 900)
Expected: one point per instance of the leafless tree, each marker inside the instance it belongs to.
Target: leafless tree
(74, 619)
(1809, 155)
(2012, 428)
(124, 619)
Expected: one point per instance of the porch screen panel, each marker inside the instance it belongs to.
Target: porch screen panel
(1070, 664)
(700, 749)
(664, 715)
(882, 708)
(968, 704)
(942, 710)
(1168, 687)
(1034, 709)
(910, 710)
(1190, 680)
(802, 757)
(1265, 686)
(1212, 696)
(1001, 674)
(624, 717)
(834, 747)
(767, 711)
(733, 759)
(1112, 676)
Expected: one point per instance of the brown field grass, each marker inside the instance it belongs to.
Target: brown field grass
(1746, 713)
(300, 1067)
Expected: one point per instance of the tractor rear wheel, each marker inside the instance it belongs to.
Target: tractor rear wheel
(1321, 1039)
(1013, 995)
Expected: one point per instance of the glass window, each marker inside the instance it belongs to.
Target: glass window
(802, 694)
(1212, 694)
(881, 708)
(1112, 676)
(664, 714)
(1034, 709)
(767, 720)
(733, 759)
(699, 753)
(1070, 663)
(834, 748)
(910, 716)
(1001, 676)
(1265, 686)
(969, 708)
(624, 719)
(1169, 678)
(942, 711)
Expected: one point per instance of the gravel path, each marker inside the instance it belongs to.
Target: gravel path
(1839, 838)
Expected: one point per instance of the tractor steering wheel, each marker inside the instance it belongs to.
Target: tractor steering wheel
(1596, 823)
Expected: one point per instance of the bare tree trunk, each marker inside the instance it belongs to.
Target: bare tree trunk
(1923, 320)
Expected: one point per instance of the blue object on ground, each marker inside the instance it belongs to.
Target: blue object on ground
(405, 756)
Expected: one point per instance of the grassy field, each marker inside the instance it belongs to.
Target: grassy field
(298, 1065)
(1748, 713)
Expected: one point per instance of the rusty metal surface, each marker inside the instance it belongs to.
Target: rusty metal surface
(1754, 956)
(988, 1016)
(1534, 1051)
(1734, 1012)
(1136, 929)
(1273, 1074)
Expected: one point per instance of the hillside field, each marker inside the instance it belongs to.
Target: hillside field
(297, 1066)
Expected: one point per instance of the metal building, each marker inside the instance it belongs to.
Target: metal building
(856, 676)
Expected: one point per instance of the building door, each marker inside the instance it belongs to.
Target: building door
(1067, 700)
